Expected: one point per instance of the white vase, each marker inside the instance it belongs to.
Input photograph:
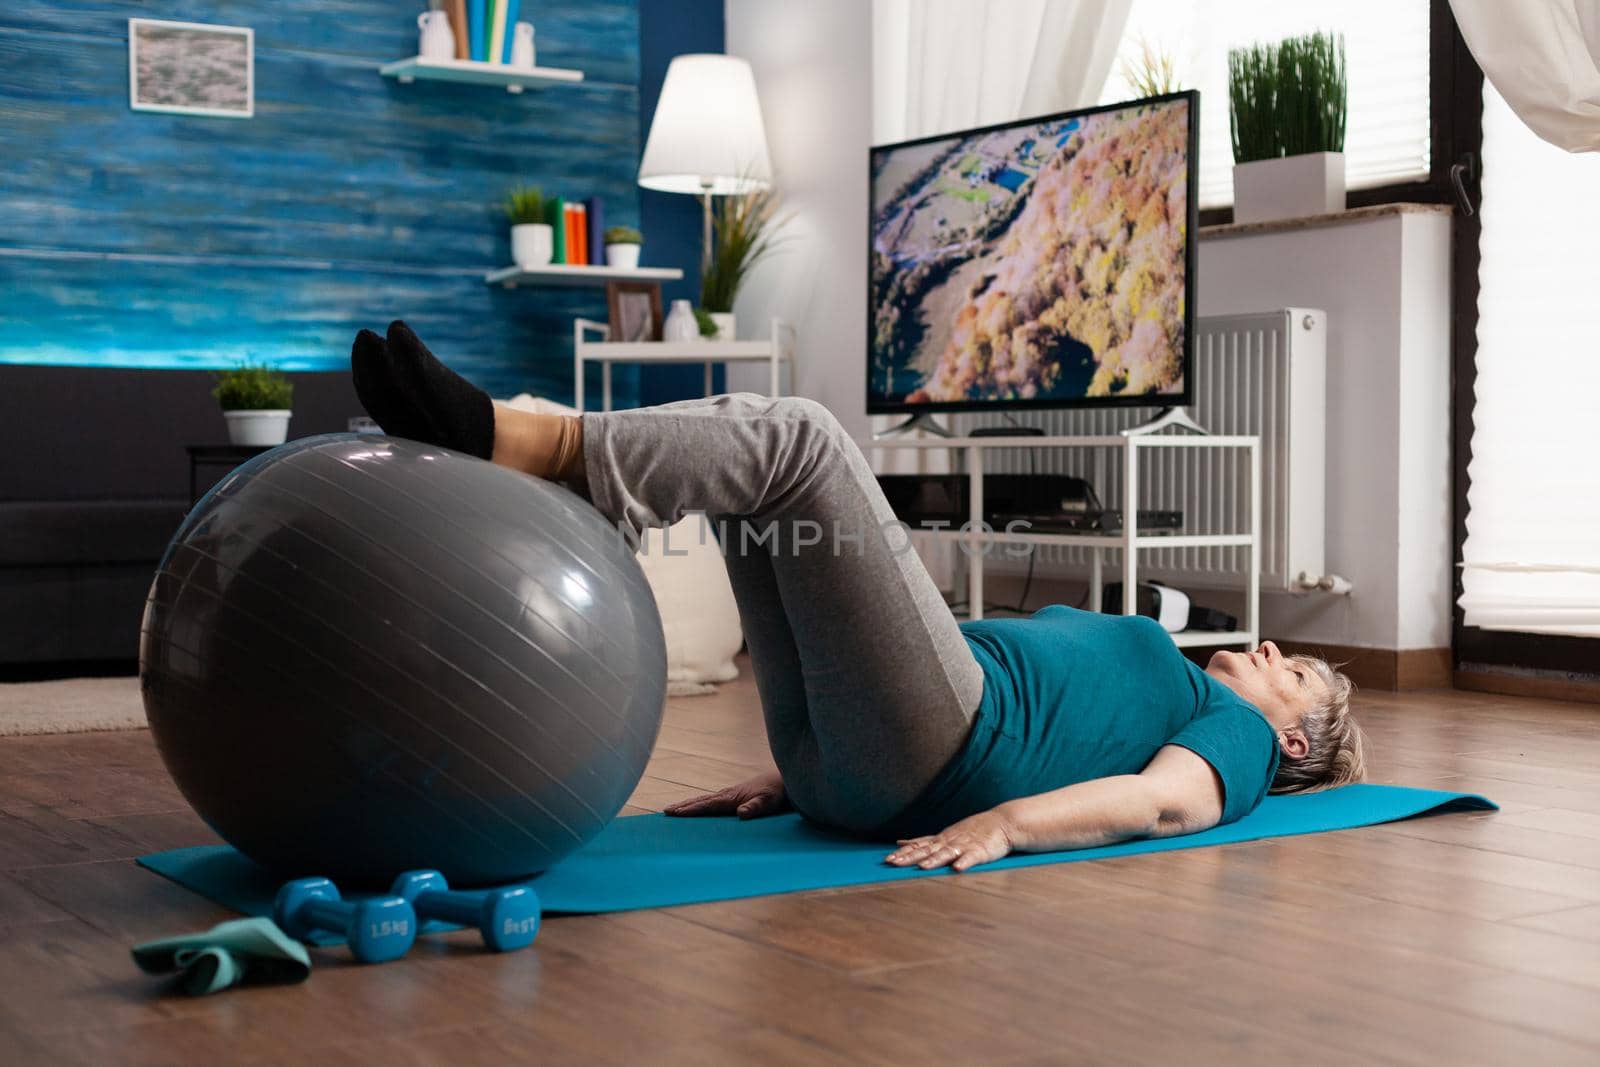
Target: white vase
(531, 244)
(725, 325)
(623, 257)
(435, 39)
(257, 428)
(681, 324)
(1293, 187)
(522, 47)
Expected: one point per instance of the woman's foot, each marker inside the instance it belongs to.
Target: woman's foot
(412, 395)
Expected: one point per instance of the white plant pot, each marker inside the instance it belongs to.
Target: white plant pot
(623, 257)
(725, 325)
(532, 244)
(257, 428)
(1293, 187)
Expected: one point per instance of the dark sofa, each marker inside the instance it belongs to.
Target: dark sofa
(93, 482)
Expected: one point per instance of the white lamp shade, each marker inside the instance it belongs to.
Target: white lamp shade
(707, 134)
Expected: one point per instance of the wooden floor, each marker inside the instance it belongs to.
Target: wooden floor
(1454, 939)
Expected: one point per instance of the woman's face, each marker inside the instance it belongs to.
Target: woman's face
(1282, 689)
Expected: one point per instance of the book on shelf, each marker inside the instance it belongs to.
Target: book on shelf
(513, 10)
(476, 10)
(457, 12)
(497, 31)
(555, 213)
(594, 239)
(577, 245)
(581, 234)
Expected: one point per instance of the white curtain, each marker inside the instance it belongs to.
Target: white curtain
(1543, 57)
(943, 65)
(1532, 554)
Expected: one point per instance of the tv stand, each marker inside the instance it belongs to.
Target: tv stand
(976, 538)
(921, 421)
(1178, 417)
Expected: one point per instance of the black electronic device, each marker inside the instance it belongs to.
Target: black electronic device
(1211, 619)
(1006, 431)
(1150, 520)
(1046, 503)
(924, 499)
(987, 260)
(1146, 599)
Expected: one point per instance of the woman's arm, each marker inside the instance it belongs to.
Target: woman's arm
(1176, 793)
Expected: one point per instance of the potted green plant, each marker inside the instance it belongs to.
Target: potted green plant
(622, 247)
(1286, 111)
(1153, 72)
(532, 239)
(705, 323)
(743, 232)
(255, 401)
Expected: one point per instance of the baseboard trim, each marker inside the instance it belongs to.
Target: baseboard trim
(1518, 684)
(1388, 669)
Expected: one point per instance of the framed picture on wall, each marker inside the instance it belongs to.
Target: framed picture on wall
(634, 311)
(189, 68)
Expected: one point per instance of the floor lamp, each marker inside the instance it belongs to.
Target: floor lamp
(707, 138)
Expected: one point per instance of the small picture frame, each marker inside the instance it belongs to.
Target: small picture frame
(190, 68)
(634, 311)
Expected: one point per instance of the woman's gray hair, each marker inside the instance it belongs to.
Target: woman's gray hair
(1337, 748)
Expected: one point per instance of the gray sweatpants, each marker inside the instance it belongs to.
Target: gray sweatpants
(867, 686)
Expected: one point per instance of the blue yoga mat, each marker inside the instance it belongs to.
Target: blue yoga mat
(653, 861)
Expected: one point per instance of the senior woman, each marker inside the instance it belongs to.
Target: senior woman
(961, 743)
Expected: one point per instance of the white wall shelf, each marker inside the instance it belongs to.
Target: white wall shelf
(572, 274)
(772, 351)
(978, 536)
(472, 72)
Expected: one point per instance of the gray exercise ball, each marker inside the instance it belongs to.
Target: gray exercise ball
(362, 655)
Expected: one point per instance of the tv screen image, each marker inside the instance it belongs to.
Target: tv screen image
(1044, 263)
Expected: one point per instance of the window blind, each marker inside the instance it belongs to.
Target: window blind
(1386, 63)
(1531, 562)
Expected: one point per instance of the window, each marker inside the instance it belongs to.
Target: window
(1386, 61)
(1532, 552)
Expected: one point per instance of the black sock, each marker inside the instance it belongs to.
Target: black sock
(375, 387)
(411, 394)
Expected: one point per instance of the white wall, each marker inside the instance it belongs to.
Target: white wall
(813, 69)
(1385, 284)
(1424, 546)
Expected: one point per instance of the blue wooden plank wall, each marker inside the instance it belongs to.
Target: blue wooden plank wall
(141, 239)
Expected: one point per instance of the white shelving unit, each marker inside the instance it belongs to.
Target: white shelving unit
(1129, 542)
(568, 274)
(771, 351)
(472, 72)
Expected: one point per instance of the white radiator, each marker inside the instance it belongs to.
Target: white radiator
(1254, 374)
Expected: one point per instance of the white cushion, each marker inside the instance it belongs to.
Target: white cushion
(698, 613)
(684, 567)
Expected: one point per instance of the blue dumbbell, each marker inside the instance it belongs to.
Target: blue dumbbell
(508, 918)
(377, 929)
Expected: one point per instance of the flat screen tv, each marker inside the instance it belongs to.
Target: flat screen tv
(1046, 263)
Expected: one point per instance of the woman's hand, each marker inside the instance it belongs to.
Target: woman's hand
(761, 795)
(981, 838)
